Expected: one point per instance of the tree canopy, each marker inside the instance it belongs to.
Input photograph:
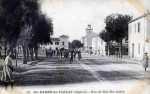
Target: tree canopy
(10, 19)
(117, 26)
(106, 36)
(22, 23)
(76, 44)
(18, 17)
(116, 29)
(43, 29)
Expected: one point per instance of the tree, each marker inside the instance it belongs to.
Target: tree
(10, 21)
(76, 44)
(37, 26)
(42, 31)
(20, 18)
(29, 18)
(106, 36)
(117, 27)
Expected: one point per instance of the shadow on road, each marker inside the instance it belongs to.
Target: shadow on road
(104, 62)
(54, 77)
(120, 75)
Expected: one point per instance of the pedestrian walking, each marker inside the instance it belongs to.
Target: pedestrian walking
(65, 53)
(145, 61)
(71, 56)
(57, 52)
(46, 53)
(61, 52)
(79, 55)
(74, 54)
(7, 70)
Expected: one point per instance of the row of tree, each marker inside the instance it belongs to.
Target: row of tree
(22, 23)
(116, 29)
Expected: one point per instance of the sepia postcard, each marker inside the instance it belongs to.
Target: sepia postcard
(74, 47)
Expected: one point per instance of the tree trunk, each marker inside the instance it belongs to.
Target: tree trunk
(31, 54)
(5, 49)
(36, 52)
(121, 49)
(24, 55)
(27, 51)
(108, 47)
(16, 56)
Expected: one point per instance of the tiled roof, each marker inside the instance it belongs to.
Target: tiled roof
(144, 15)
(64, 36)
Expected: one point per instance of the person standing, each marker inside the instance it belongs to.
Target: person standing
(46, 53)
(74, 54)
(7, 70)
(145, 61)
(79, 55)
(71, 55)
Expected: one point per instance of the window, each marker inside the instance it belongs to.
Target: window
(63, 43)
(56, 43)
(139, 48)
(139, 26)
(135, 27)
(132, 50)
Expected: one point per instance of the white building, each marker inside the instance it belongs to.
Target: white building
(60, 42)
(98, 46)
(64, 41)
(92, 42)
(87, 39)
(139, 36)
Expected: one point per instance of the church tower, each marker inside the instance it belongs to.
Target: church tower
(89, 29)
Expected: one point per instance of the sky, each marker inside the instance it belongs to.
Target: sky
(71, 17)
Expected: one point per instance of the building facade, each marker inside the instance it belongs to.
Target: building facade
(60, 42)
(87, 39)
(64, 42)
(139, 36)
(92, 42)
(98, 46)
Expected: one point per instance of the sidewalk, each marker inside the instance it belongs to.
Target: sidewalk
(124, 59)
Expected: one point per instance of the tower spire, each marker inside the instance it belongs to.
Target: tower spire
(89, 28)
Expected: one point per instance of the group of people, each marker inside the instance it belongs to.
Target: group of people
(57, 52)
(75, 53)
(71, 54)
